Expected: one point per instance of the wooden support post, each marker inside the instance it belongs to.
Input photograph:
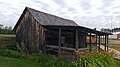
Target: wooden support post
(99, 42)
(105, 42)
(85, 44)
(96, 40)
(107, 38)
(59, 42)
(90, 43)
(76, 40)
(40, 41)
(44, 41)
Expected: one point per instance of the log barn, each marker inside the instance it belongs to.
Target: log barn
(39, 31)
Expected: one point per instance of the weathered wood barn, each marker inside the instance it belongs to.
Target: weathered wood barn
(36, 30)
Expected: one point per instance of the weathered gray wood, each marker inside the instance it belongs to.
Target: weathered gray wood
(37, 36)
(83, 49)
(107, 38)
(76, 39)
(40, 41)
(85, 44)
(90, 43)
(64, 48)
(59, 42)
(44, 40)
(99, 41)
(105, 43)
(96, 40)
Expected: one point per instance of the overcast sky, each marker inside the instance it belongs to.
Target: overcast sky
(89, 13)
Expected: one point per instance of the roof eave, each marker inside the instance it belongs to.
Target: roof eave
(18, 22)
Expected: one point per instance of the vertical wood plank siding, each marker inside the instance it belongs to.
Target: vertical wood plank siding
(30, 34)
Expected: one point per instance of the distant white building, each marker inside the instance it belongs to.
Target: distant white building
(115, 35)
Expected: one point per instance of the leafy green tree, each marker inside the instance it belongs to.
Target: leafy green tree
(6, 29)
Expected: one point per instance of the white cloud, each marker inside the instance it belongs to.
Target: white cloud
(84, 12)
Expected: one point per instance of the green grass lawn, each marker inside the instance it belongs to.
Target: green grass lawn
(14, 62)
(116, 47)
(118, 63)
(7, 35)
(113, 39)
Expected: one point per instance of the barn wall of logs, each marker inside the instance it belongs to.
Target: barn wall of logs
(30, 34)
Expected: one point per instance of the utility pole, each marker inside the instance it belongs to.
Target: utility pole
(111, 23)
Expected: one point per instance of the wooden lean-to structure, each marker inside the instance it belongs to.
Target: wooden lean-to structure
(39, 31)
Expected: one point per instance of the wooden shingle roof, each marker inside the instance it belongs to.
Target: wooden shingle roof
(48, 19)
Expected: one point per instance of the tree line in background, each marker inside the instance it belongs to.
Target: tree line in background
(109, 30)
(5, 29)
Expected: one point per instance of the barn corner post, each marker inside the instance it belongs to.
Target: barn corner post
(59, 42)
(43, 40)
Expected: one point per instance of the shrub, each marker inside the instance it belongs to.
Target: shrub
(47, 60)
(12, 45)
(96, 59)
(39, 57)
(60, 62)
(9, 53)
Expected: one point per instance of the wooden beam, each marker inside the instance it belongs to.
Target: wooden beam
(76, 39)
(90, 43)
(107, 38)
(105, 42)
(57, 47)
(40, 42)
(59, 41)
(65, 48)
(99, 42)
(44, 40)
(85, 44)
(96, 40)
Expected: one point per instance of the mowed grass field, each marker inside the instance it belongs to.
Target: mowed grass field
(116, 47)
(16, 62)
(7, 35)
